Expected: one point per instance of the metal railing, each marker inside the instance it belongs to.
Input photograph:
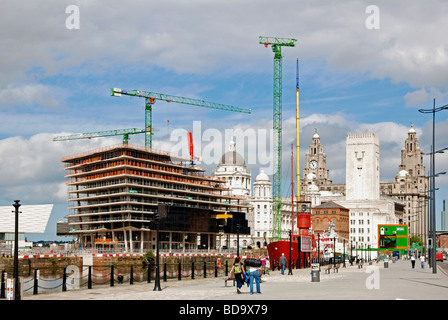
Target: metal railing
(87, 277)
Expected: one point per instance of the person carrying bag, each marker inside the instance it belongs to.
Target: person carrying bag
(238, 272)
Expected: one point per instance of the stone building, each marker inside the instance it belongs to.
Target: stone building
(331, 212)
(233, 170)
(408, 191)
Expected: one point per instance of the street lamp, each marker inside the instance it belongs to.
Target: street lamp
(290, 267)
(238, 240)
(16, 205)
(334, 252)
(157, 277)
(318, 248)
(433, 165)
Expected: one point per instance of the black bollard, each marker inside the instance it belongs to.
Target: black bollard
(64, 280)
(89, 282)
(3, 285)
(131, 277)
(36, 281)
(112, 276)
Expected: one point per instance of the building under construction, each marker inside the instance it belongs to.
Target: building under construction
(116, 192)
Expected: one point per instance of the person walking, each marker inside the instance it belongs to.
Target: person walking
(254, 274)
(413, 261)
(268, 266)
(422, 260)
(238, 271)
(282, 261)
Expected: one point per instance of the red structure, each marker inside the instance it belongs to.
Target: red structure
(277, 248)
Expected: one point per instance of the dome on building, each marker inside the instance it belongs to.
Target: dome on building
(232, 157)
(403, 173)
(262, 177)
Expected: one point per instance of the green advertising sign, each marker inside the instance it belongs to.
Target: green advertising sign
(393, 236)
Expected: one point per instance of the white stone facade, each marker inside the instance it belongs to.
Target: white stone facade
(362, 167)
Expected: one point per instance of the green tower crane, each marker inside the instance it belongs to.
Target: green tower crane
(151, 97)
(90, 135)
(277, 44)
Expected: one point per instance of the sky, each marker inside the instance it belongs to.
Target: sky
(362, 70)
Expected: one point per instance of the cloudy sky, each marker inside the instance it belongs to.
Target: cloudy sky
(56, 80)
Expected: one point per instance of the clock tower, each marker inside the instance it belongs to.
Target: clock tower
(315, 169)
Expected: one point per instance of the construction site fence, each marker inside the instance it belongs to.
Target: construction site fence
(88, 277)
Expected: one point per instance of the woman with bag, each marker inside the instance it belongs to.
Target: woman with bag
(238, 271)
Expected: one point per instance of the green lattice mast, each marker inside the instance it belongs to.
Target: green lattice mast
(276, 44)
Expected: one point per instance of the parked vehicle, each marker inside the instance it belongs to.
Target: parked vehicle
(439, 256)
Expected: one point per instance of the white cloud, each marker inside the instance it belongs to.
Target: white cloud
(423, 96)
(198, 36)
(30, 95)
(30, 169)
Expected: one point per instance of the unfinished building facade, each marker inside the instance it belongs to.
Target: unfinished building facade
(115, 192)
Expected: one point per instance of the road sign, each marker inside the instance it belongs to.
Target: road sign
(393, 236)
(306, 244)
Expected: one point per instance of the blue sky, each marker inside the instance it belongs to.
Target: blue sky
(55, 80)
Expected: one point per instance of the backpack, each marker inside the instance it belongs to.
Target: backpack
(238, 268)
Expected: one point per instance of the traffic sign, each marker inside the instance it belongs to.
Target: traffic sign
(393, 236)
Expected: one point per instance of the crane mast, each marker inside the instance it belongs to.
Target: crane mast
(277, 44)
(297, 132)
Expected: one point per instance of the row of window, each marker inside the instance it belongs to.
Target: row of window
(360, 221)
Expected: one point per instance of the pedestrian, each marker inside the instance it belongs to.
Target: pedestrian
(254, 274)
(413, 261)
(238, 271)
(268, 266)
(282, 261)
(422, 260)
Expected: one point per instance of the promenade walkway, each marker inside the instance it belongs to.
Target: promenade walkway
(397, 282)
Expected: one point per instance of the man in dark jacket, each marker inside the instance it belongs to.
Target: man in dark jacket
(282, 261)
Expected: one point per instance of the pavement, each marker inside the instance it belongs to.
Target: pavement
(372, 282)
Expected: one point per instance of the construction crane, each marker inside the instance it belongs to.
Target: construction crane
(297, 132)
(277, 44)
(151, 97)
(98, 134)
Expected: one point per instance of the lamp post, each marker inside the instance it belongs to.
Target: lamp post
(290, 267)
(157, 277)
(351, 252)
(16, 205)
(238, 240)
(433, 195)
(318, 248)
(334, 252)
